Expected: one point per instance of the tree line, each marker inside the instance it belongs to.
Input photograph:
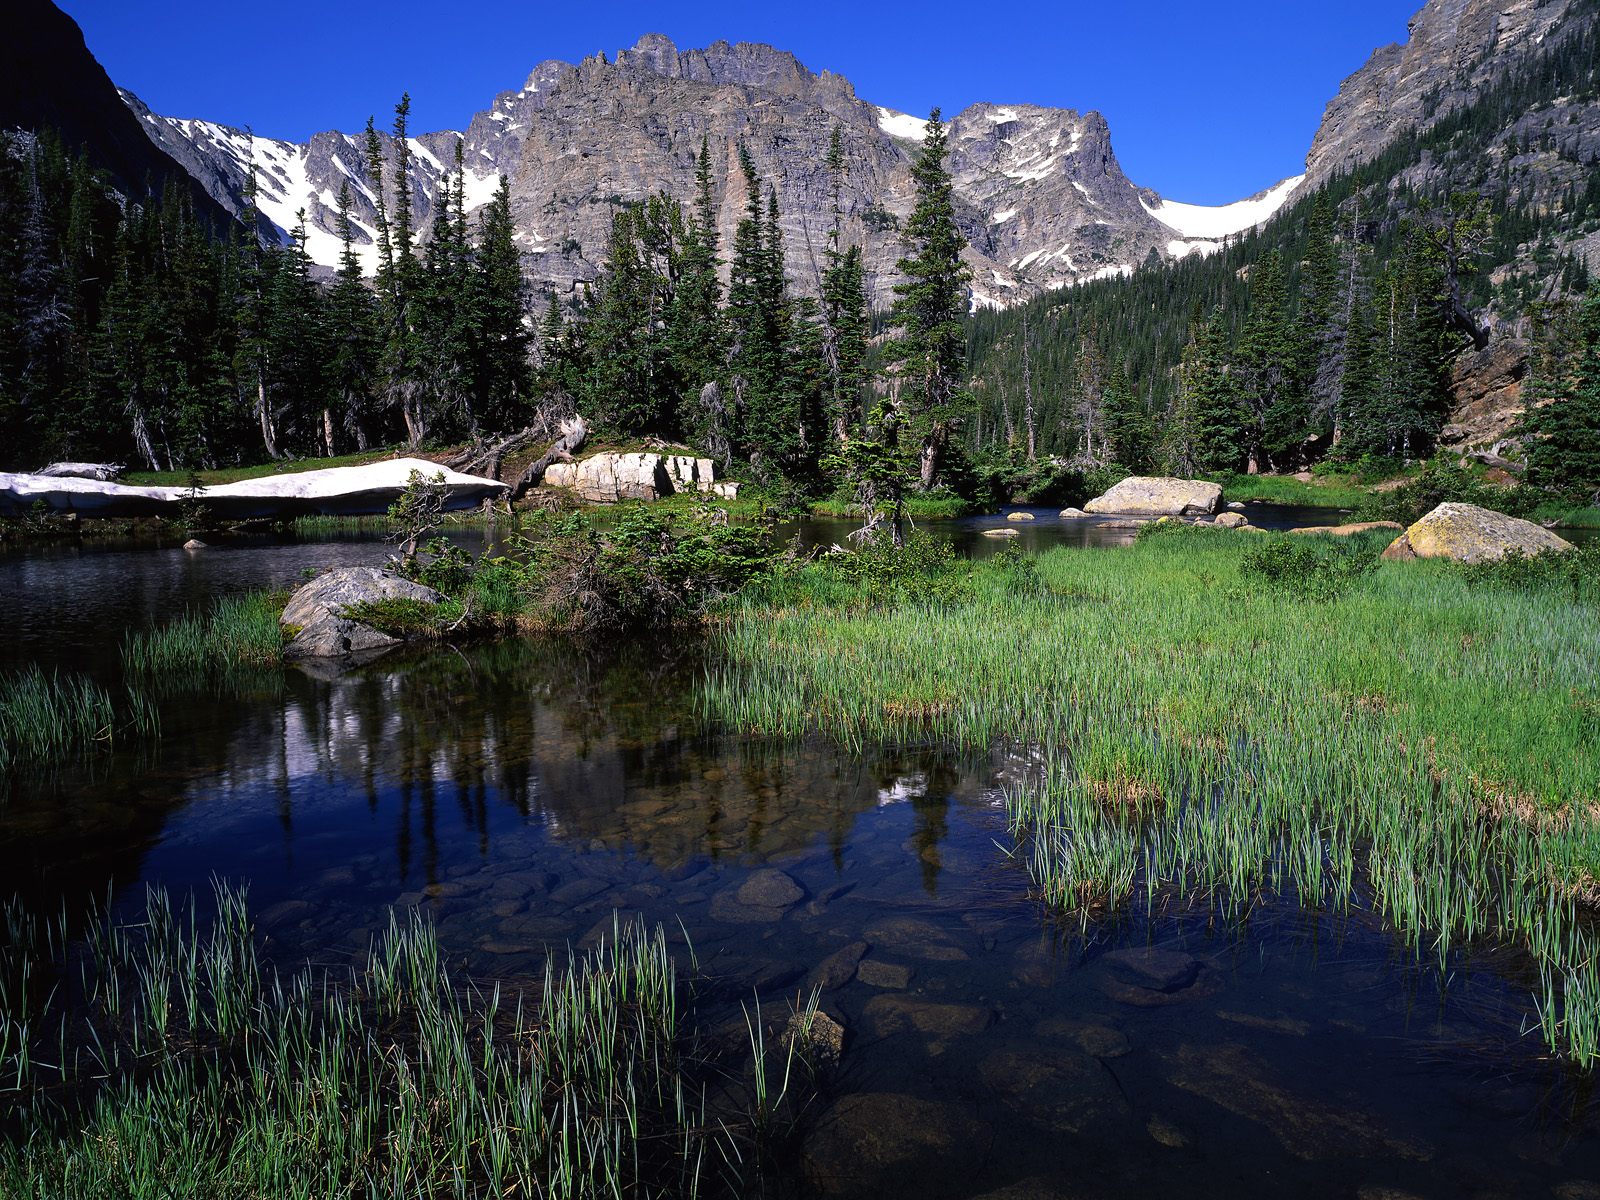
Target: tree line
(130, 330)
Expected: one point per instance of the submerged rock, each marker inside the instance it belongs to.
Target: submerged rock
(1156, 496)
(315, 613)
(1469, 534)
(1001, 533)
(890, 1014)
(839, 968)
(1062, 1091)
(864, 1137)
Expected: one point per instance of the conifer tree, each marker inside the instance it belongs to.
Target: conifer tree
(1563, 413)
(930, 348)
(502, 373)
(352, 342)
(843, 311)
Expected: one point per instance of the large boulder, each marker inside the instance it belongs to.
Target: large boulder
(315, 615)
(611, 476)
(1153, 496)
(1471, 534)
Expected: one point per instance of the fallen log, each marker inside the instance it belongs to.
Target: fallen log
(573, 432)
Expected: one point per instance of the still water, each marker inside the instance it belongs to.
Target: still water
(523, 793)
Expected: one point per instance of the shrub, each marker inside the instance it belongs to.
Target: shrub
(402, 617)
(1442, 481)
(1576, 570)
(1304, 568)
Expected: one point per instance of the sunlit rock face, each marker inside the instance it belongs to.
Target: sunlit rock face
(1040, 195)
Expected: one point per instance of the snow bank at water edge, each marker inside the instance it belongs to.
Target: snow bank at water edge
(332, 491)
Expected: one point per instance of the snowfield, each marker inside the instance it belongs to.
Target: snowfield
(335, 491)
(1210, 222)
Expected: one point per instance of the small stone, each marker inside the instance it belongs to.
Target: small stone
(839, 968)
(879, 974)
(1019, 516)
(1000, 533)
(194, 544)
(1165, 1132)
(1230, 520)
(770, 888)
(1072, 514)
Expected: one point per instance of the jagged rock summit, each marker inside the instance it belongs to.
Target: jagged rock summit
(1041, 196)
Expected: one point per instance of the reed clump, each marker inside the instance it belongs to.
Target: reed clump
(159, 1056)
(233, 632)
(1192, 724)
(49, 716)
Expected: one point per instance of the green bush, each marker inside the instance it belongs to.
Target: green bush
(1306, 568)
(1577, 571)
(403, 617)
(1443, 481)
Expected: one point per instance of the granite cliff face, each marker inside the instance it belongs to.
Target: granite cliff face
(1454, 50)
(1042, 198)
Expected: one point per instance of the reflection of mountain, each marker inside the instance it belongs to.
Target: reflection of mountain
(595, 748)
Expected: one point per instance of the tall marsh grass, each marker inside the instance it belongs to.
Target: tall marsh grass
(235, 631)
(46, 717)
(162, 1057)
(1191, 731)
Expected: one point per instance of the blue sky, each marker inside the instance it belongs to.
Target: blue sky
(1207, 102)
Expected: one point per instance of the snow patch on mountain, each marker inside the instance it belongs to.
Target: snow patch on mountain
(902, 125)
(1211, 222)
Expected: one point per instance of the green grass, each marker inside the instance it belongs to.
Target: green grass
(178, 1063)
(235, 631)
(47, 718)
(1207, 732)
(1569, 518)
(1322, 492)
(938, 506)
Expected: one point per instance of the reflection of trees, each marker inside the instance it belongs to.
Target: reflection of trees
(600, 745)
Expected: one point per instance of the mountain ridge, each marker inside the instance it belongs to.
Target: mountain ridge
(1044, 202)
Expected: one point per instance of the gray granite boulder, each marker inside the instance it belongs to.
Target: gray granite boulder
(315, 615)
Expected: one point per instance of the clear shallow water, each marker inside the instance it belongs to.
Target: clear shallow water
(522, 793)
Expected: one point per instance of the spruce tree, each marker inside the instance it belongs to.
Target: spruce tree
(843, 311)
(930, 349)
(1563, 413)
(352, 337)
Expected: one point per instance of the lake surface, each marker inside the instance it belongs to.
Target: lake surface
(524, 792)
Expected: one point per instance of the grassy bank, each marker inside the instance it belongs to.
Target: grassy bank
(1330, 491)
(184, 1065)
(1204, 726)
